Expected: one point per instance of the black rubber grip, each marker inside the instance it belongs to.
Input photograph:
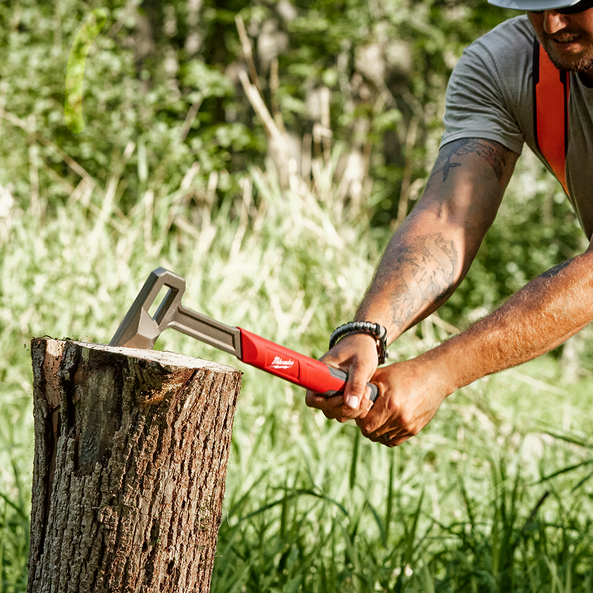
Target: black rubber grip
(344, 377)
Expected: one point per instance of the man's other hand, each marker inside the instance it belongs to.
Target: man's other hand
(410, 394)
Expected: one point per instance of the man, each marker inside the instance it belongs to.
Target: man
(489, 116)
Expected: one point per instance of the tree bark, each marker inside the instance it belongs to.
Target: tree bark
(131, 450)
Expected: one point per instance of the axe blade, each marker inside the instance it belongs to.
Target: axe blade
(139, 329)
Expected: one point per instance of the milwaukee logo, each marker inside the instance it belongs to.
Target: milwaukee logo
(280, 363)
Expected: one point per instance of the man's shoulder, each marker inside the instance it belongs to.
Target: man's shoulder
(503, 56)
(512, 38)
(490, 91)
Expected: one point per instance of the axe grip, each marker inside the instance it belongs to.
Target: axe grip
(297, 368)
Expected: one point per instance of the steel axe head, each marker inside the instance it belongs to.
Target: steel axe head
(139, 329)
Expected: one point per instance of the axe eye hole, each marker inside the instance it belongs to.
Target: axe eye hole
(158, 301)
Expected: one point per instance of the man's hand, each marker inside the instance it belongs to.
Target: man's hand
(410, 394)
(355, 354)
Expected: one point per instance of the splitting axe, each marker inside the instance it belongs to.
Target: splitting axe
(140, 330)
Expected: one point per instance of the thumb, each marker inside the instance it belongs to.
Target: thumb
(356, 387)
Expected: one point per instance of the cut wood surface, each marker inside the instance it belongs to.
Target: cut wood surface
(131, 450)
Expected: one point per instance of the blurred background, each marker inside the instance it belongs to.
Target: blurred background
(266, 151)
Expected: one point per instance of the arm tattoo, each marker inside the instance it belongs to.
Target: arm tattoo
(492, 152)
(554, 271)
(427, 273)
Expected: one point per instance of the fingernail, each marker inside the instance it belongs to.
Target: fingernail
(352, 402)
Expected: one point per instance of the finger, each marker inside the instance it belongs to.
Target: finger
(388, 440)
(399, 441)
(364, 407)
(321, 402)
(387, 429)
(343, 413)
(339, 414)
(377, 420)
(356, 355)
(382, 440)
(334, 408)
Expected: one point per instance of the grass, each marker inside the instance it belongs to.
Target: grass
(464, 508)
(494, 495)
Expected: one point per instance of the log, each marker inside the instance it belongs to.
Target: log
(131, 450)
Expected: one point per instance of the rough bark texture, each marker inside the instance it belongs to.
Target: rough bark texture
(131, 449)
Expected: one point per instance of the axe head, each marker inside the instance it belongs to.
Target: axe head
(139, 329)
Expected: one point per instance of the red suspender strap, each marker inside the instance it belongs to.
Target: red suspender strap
(550, 110)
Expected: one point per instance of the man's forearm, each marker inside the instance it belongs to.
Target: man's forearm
(542, 315)
(418, 273)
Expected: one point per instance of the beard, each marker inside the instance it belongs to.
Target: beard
(578, 63)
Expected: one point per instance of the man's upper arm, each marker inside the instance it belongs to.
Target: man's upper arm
(466, 186)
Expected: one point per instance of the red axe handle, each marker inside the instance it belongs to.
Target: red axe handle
(294, 367)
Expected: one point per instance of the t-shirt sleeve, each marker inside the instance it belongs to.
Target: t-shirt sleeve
(476, 106)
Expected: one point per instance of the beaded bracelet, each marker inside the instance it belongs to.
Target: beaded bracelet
(363, 327)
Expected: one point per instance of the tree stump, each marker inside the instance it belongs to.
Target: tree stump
(131, 450)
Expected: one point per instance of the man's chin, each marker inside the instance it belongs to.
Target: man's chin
(579, 63)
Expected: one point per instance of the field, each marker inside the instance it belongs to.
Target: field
(493, 496)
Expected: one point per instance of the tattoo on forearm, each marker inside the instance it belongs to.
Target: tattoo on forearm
(554, 271)
(492, 152)
(427, 273)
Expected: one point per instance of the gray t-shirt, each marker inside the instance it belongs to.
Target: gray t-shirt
(490, 95)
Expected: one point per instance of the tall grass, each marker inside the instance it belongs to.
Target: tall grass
(493, 496)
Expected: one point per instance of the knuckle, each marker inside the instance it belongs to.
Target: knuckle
(366, 429)
(408, 425)
(329, 357)
(348, 414)
(313, 400)
(392, 408)
(364, 412)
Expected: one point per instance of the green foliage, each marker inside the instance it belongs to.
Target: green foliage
(130, 93)
(142, 75)
(165, 78)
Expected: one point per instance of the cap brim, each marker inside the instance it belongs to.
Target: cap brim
(533, 4)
